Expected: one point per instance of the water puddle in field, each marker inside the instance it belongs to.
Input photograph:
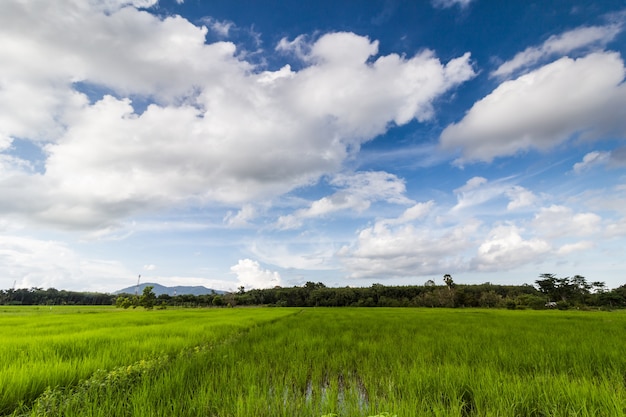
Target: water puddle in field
(341, 394)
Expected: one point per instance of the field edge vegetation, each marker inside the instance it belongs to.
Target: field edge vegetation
(549, 291)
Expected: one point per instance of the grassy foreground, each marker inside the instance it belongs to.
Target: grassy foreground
(323, 362)
(43, 347)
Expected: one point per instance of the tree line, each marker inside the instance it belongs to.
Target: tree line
(52, 296)
(549, 291)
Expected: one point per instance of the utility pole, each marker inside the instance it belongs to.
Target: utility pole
(137, 287)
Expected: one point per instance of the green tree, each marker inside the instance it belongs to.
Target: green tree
(548, 285)
(218, 301)
(599, 287)
(580, 289)
(123, 302)
(148, 298)
(447, 278)
(490, 299)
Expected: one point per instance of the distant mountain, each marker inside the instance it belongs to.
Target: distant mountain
(159, 289)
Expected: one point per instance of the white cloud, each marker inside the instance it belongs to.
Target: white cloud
(222, 28)
(374, 185)
(616, 228)
(544, 108)
(575, 247)
(416, 212)
(476, 191)
(520, 197)
(361, 99)
(322, 255)
(12, 167)
(479, 190)
(561, 221)
(299, 47)
(505, 249)
(48, 263)
(392, 248)
(217, 130)
(5, 143)
(590, 160)
(358, 191)
(113, 5)
(605, 198)
(290, 221)
(445, 4)
(242, 217)
(316, 255)
(382, 251)
(562, 44)
(251, 275)
(354, 51)
(472, 184)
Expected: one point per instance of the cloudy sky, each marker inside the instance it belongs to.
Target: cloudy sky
(231, 143)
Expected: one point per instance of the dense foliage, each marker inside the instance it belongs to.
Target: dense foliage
(52, 296)
(451, 295)
(550, 292)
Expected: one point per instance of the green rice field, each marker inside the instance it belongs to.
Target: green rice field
(321, 362)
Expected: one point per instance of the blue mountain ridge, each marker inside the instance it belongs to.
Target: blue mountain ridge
(159, 289)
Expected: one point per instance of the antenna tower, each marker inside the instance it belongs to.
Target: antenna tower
(137, 287)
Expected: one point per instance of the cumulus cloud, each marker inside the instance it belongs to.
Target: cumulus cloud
(357, 192)
(250, 274)
(520, 197)
(383, 251)
(558, 45)
(583, 97)
(12, 167)
(561, 221)
(5, 143)
(215, 128)
(505, 248)
(48, 263)
(422, 241)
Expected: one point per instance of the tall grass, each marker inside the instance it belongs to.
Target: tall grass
(403, 362)
(42, 347)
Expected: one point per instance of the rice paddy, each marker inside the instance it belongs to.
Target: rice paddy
(255, 362)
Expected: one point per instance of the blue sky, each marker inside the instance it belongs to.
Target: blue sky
(231, 143)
